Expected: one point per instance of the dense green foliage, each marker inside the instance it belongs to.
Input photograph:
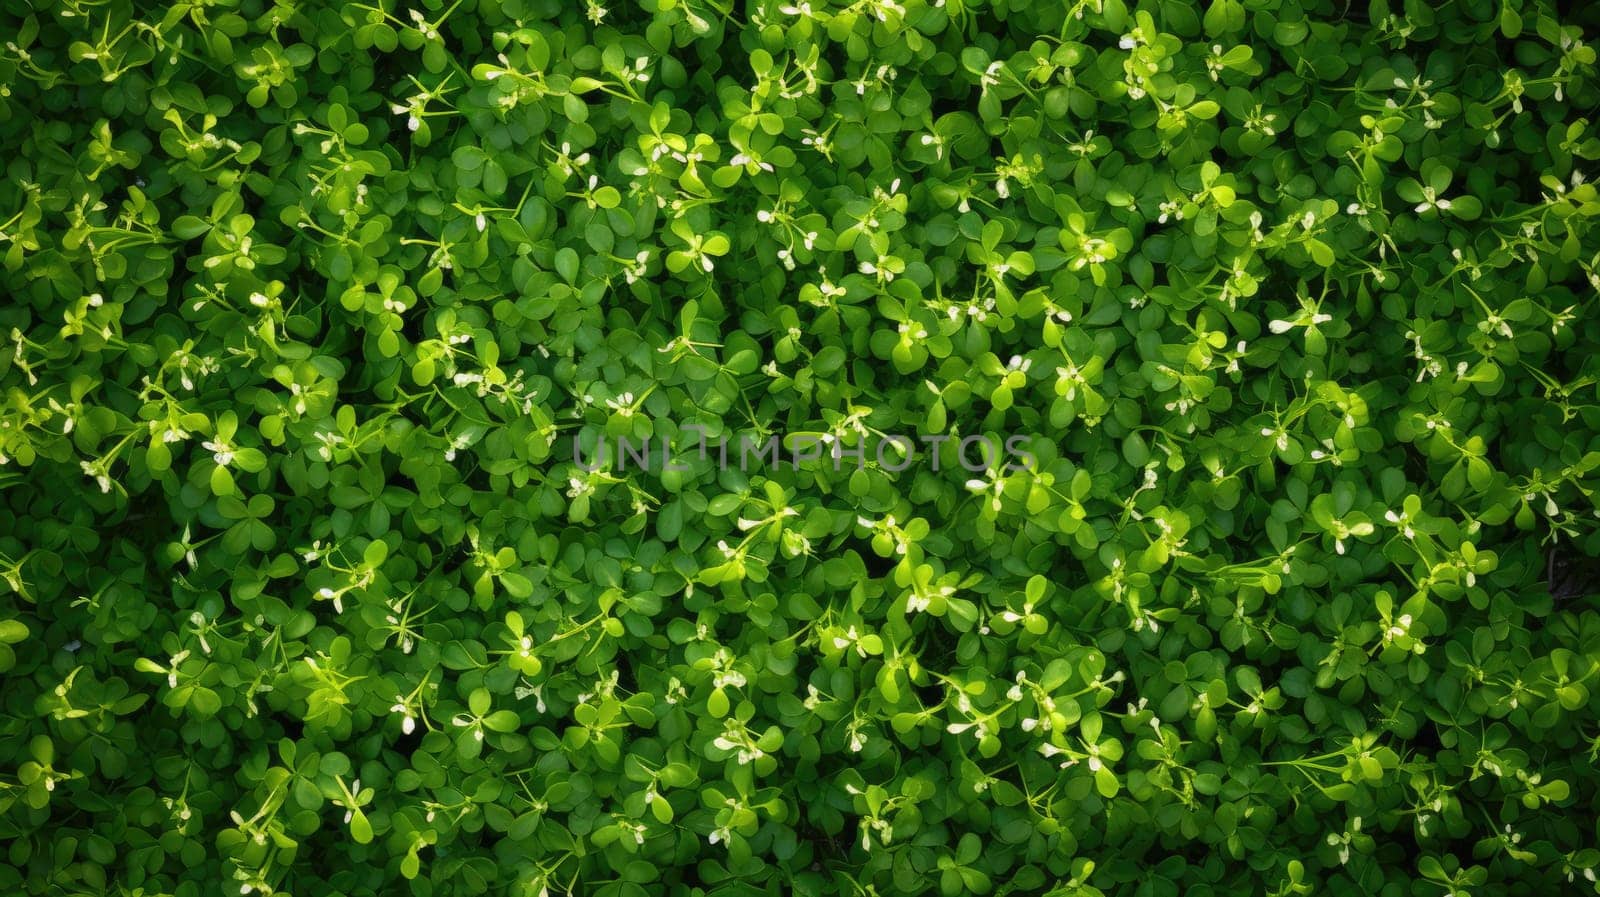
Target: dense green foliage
(305, 303)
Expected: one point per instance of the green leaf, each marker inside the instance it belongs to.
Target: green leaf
(360, 828)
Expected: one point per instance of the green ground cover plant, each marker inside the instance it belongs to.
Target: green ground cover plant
(310, 310)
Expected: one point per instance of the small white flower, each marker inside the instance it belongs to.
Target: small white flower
(221, 451)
